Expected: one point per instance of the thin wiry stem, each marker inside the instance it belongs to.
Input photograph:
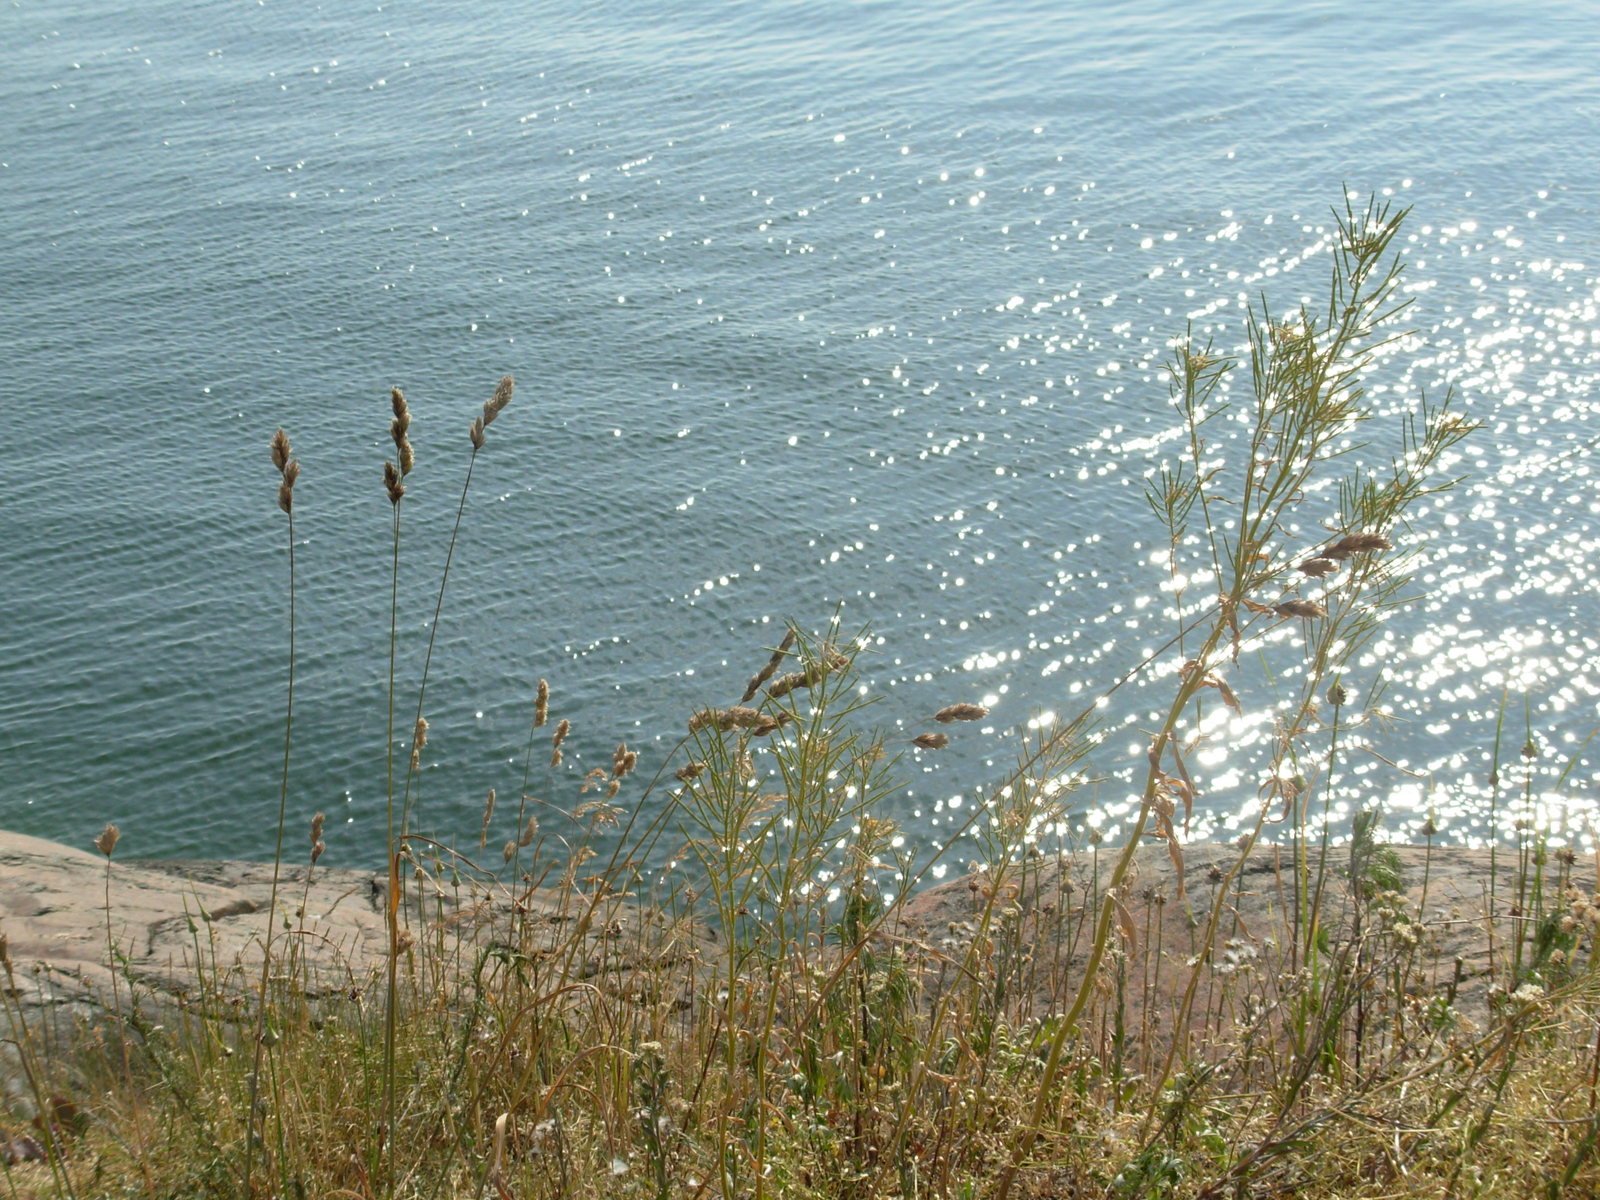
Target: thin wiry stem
(433, 633)
(289, 469)
(393, 860)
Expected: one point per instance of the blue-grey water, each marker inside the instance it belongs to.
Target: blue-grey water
(813, 307)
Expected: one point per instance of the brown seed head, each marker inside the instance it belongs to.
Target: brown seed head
(280, 450)
(932, 741)
(541, 704)
(475, 432)
(408, 456)
(1357, 543)
(391, 481)
(316, 827)
(529, 832)
(291, 472)
(1300, 608)
(488, 816)
(107, 841)
(495, 404)
(691, 771)
(1318, 567)
(960, 712)
(317, 849)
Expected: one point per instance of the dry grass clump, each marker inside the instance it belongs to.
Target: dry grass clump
(725, 978)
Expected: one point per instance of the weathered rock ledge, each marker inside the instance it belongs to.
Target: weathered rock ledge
(167, 917)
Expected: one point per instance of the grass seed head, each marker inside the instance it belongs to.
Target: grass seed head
(392, 483)
(1300, 608)
(291, 472)
(107, 841)
(280, 450)
(960, 712)
(541, 704)
(495, 404)
(932, 741)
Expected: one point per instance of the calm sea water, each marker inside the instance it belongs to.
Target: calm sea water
(813, 307)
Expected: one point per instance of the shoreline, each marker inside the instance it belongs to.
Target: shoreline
(167, 915)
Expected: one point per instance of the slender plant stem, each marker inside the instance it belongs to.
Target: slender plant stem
(272, 903)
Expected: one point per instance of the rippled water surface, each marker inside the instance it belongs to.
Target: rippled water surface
(813, 308)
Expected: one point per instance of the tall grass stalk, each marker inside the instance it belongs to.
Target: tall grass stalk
(288, 473)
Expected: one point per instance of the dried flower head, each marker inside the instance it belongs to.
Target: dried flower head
(932, 741)
(1338, 696)
(107, 841)
(692, 771)
(563, 727)
(1318, 567)
(316, 827)
(475, 432)
(318, 847)
(541, 704)
(960, 712)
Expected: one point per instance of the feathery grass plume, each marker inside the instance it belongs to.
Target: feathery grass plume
(563, 728)
(1318, 567)
(690, 772)
(932, 741)
(623, 761)
(960, 712)
(529, 832)
(1299, 608)
(317, 844)
(770, 669)
(495, 404)
(419, 741)
(488, 816)
(392, 483)
(828, 661)
(107, 841)
(398, 429)
(541, 704)
(737, 717)
(288, 469)
(492, 408)
(1356, 543)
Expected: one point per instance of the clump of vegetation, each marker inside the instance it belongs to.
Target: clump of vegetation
(728, 980)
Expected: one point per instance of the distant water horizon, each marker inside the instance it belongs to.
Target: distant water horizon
(814, 308)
